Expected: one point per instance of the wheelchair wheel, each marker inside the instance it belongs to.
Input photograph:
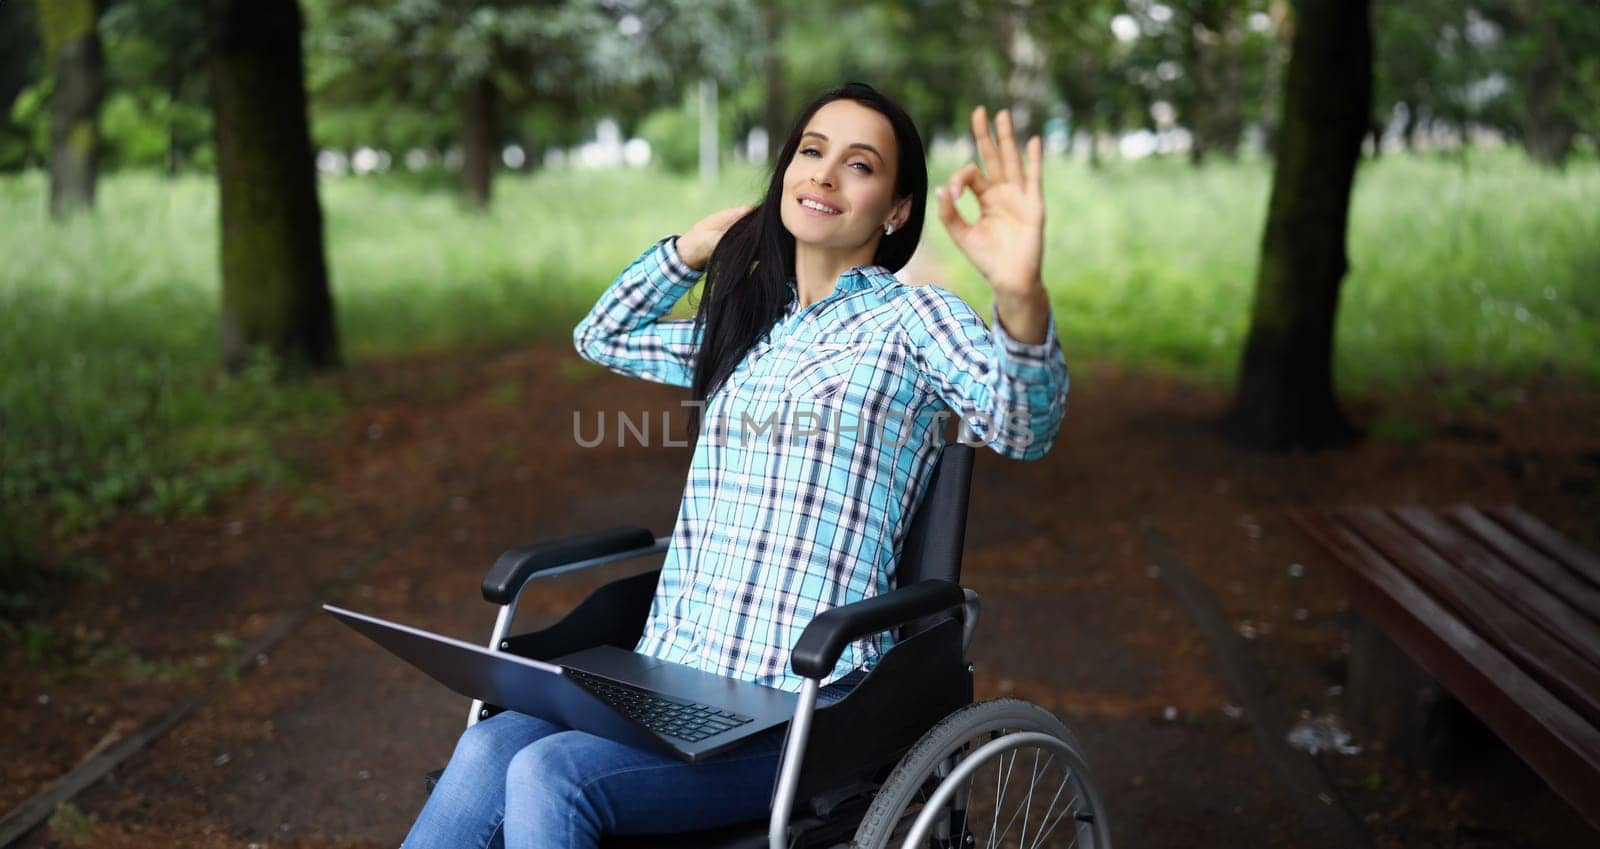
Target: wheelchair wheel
(1000, 773)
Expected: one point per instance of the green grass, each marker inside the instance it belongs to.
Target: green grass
(110, 396)
(1488, 270)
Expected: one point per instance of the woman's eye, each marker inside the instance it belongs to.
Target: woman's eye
(861, 167)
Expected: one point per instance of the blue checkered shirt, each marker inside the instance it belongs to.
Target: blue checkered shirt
(813, 456)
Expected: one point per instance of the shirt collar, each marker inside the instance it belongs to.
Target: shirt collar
(857, 278)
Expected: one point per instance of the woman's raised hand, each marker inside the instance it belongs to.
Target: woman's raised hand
(1007, 241)
(696, 245)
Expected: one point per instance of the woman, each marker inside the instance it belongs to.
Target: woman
(801, 320)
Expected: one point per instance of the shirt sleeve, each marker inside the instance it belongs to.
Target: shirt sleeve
(1011, 394)
(625, 332)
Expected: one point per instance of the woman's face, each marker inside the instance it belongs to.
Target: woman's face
(846, 162)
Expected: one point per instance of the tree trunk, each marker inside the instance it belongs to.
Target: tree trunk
(19, 42)
(72, 50)
(1272, 73)
(1286, 395)
(478, 134)
(274, 278)
(1412, 127)
(1094, 144)
(1213, 54)
(1547, 130)
(1027, 84)
(777, 119)
(709, 148)
(174, 91)
(1193, 108)
(1082, 111)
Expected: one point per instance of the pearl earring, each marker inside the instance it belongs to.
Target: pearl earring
(887, 229)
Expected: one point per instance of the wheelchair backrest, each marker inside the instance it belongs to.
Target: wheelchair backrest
(932, 547)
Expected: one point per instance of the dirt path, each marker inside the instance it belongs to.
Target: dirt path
(324, 742)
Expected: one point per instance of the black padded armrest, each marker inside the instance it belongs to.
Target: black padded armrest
(831, 630)
(515, 567)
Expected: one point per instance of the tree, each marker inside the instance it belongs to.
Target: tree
(19, 47)
(1086, 66)
(776, 120)
(1212, 38)
(1553, 45)
(1026, 58)
(156, 76)
(1202, 58)
(72, 51)
(1286, 395)
(274, 276)
(1440, 64)
(484, 61)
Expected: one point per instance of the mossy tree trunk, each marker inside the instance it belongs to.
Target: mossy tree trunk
(1213, 54)
(1286, 396)
(478, 133)
(1272, 70)
(1083, 125)
(1547, 130)
(72, 49)
(274, 277)
(777, 116)
(19, 48)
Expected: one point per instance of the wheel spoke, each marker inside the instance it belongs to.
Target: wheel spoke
(1046, 816)
(1064, 814)
(920, 800)
(1033, 781)
(1020, 805)
(966, 811)
(999, 792)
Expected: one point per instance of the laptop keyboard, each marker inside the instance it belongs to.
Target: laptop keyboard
(688, 721)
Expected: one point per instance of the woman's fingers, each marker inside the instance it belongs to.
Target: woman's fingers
(953, 222)
(988, 154)
(967, 175)
(1000, 157)
(1036, 166)
(1010, 163)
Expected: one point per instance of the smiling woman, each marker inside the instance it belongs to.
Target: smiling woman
(824, 380)
(844, 156)
(838, 190)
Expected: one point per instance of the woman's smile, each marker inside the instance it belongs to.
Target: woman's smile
(814, 205)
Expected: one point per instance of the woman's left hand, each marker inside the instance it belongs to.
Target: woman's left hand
(1006, 242)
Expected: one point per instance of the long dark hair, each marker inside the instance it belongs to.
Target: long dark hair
(746, 283)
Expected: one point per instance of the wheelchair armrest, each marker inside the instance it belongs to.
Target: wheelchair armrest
(830, 631)
(516, 566)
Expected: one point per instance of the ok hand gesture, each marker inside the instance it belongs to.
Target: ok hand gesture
(1007, 240)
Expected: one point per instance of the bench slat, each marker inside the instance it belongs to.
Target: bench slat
(1563, 671)
(1546, 608)
(1551, 541)
(1561, 746)
(1541, 567)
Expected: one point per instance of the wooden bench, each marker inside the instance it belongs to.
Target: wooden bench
(1498, 608)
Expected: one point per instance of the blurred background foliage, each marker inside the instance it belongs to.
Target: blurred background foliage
(393, 75)
(1474, 241)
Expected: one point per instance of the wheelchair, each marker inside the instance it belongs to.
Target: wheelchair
(905, 758)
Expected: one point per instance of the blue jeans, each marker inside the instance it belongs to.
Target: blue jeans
(516, 781)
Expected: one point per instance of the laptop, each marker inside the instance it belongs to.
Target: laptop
(614, 693)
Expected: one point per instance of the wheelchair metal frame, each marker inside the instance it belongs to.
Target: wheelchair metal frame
(805, 707)
(923, 601)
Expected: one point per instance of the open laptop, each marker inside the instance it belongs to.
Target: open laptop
(609, 692)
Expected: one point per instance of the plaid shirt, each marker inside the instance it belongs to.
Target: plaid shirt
(814, 455)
